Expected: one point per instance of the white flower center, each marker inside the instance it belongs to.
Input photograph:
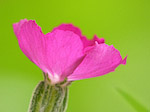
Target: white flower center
(54, 78)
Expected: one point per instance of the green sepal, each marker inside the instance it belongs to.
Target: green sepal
(49, 97)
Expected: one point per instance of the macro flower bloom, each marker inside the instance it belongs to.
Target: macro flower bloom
(64, 53)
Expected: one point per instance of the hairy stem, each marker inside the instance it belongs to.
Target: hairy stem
(49, 97)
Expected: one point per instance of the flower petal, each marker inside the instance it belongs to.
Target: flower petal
(17, 26)
(64, 52)
(57, 53)
(99, 60)
(98, 40)
(69, 27)
(91, 43)
(76, 30)
(31, 41)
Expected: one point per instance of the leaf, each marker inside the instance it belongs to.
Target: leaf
(139, 107)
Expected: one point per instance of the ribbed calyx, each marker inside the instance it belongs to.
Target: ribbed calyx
(49, 97)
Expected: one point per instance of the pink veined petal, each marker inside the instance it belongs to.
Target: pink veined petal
(64, 52)
(91, 43)
(17, 26)
(57, 53)
(99, 60)
(98, 40)
(60, 53)
(31, 41)
(76, 30)
(69, 27)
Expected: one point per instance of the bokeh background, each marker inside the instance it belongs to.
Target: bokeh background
(123, 23)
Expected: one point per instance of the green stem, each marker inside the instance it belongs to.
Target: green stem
(49, 98)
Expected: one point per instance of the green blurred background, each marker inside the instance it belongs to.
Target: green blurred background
(123, 23)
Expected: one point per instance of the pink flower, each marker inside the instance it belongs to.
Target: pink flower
(65, 52)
